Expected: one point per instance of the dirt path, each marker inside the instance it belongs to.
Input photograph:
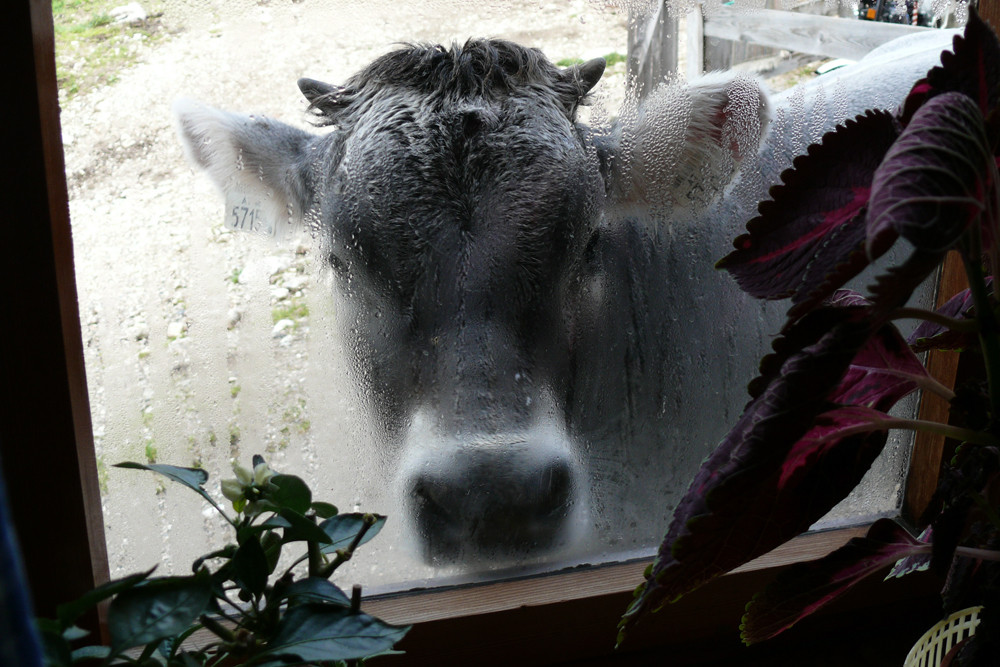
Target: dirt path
(200, 345)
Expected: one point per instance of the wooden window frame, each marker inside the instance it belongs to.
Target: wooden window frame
(46, 449)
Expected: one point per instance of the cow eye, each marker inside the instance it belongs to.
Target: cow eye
(339, 266)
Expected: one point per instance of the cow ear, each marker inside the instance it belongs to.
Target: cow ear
(585, 75)
(250, 156)
(683, 144)
(313, 89)
(325, 99)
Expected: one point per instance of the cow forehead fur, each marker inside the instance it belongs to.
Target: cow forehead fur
(480, 69)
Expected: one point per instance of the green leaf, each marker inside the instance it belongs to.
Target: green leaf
(74, 633)
(292, 493)
(250, 566)
(168, 647)
(271, 542)
(91, 653)
(157, 609)
(321, 632)
(300, 529)
(193, 478)
(343, 527)
(69, 612)
(55, 648)
(324, 510)
(316, 589)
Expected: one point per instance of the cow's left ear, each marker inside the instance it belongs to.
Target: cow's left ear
(683, 144)
(585, 75)
(325, 99)
(575, 82)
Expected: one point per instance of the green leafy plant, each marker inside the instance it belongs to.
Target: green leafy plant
(818, 412)
(250, 614)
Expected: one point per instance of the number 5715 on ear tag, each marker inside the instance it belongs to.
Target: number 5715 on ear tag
(247, 214)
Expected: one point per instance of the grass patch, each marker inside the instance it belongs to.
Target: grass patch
(91, 49)
(611, 59)
(150, 452)
(296, 310)
(293, 417)
(614, 58)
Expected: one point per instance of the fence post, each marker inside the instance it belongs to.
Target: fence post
(695, 25)
(652, 48)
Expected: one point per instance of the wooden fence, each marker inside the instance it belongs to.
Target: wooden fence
(653, 42)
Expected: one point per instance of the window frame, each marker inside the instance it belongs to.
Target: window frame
(49, 461)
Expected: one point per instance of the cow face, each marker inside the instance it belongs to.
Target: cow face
(462, 205)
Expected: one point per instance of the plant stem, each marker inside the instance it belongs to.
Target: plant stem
(951, 323)
(315, 560)
(355, 609)
(931, 384)
(989, 331)
(294, 563)
(956, 432)
(356, 599)
(978, 554)
(344, 555)
(218, 629)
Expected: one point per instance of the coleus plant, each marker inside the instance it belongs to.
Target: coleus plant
(818, 412)
(250, 611)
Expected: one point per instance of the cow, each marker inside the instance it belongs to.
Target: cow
(531, 307)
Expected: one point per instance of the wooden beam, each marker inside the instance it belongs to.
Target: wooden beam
(828, 36)
(989, 10)
(928, 448)
(45, 428)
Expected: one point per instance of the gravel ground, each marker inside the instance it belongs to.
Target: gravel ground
(203, 346)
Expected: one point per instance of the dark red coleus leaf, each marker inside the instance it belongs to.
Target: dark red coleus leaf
(933, 182)
(806, 240)
(919, 562)
(892, 289)
(801, 333)
(935, 336)
(972, 67)
(882, 372)
(793, 455)
(805, 587)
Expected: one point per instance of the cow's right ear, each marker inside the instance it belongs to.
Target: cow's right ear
(249, 156)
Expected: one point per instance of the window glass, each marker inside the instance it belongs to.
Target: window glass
(501, 329)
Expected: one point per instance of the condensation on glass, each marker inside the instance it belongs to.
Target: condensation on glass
(509, 446)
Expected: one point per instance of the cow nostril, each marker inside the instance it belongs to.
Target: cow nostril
(430, 499)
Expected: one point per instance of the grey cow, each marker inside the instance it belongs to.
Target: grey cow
(534, 321)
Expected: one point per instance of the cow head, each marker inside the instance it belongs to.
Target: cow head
(459, 200)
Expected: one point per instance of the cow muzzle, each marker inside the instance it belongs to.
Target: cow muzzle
(492, 498)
